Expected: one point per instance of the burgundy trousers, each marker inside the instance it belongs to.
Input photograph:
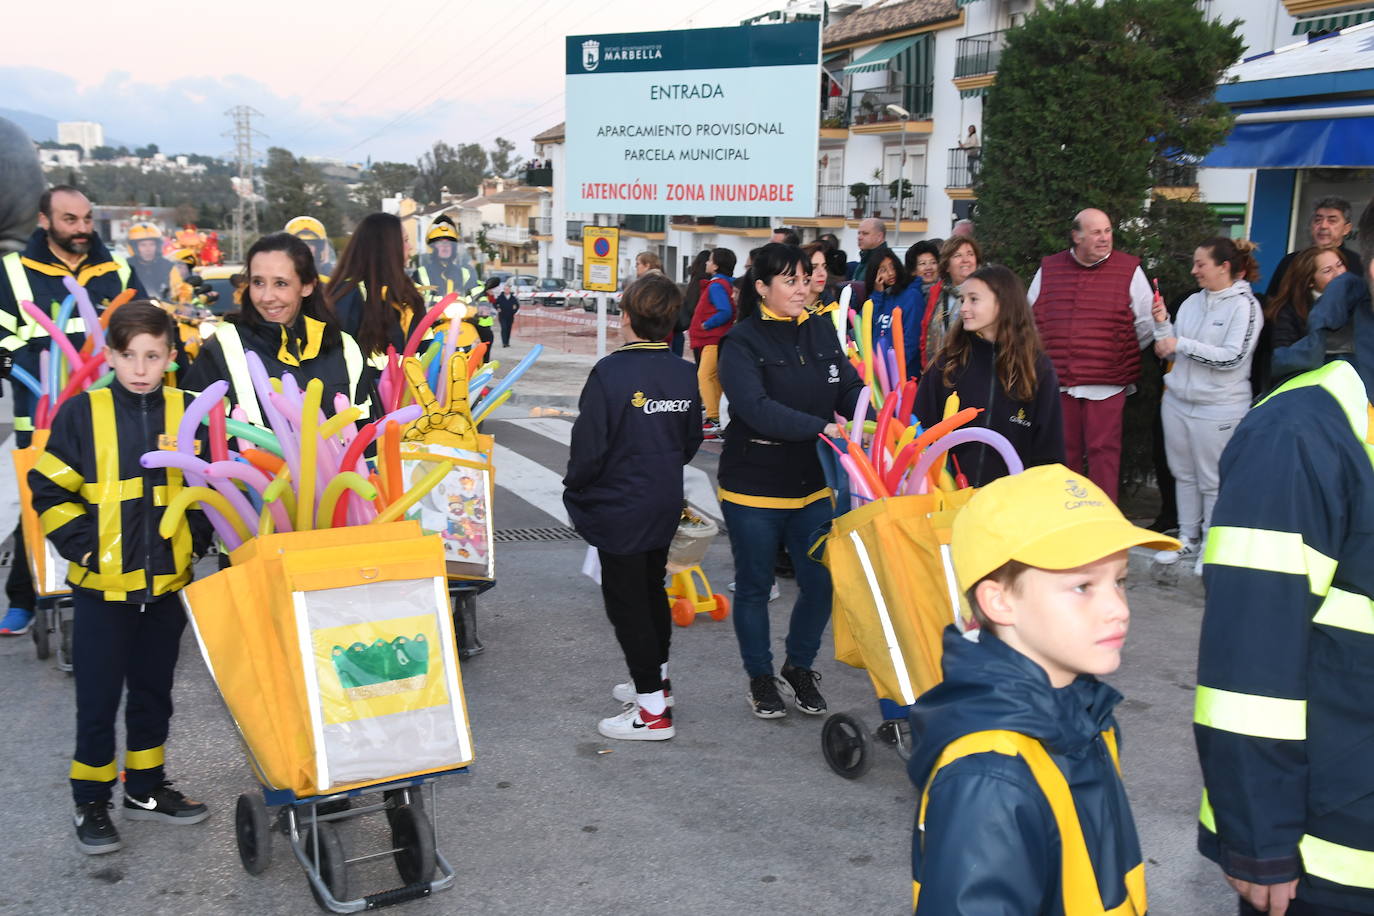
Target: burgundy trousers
(1092, 438)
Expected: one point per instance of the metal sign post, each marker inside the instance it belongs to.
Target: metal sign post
(600, 255)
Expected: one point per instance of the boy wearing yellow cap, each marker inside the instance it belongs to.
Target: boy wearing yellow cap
(1022, 807)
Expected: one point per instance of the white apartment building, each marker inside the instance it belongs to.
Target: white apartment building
(87, 134)
(902, 81)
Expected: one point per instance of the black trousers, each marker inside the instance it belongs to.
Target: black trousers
(507, 321)
(117, 646)
(19, 585)
(637, 605)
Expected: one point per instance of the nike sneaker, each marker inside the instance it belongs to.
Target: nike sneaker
(164, 804)
(637, 724)
(95, 832)
(17, 622)
(625, 693)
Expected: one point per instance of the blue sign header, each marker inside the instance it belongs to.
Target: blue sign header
(785, 45)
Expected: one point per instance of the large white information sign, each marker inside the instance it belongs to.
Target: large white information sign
(698, 121)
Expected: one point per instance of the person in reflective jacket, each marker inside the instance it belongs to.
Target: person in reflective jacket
(1284, 715)
(283, 319)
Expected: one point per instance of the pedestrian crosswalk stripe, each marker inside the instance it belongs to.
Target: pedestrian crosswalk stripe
(530, 481)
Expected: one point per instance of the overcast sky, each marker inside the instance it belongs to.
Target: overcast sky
(343, 79)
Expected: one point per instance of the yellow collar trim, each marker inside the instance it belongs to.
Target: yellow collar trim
(770, 315)
(309, 348)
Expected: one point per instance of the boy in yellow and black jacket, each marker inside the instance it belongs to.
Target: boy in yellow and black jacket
(1022, 807)
(101, 510)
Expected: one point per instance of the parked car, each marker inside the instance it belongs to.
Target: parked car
(550, 291)
(587, 299)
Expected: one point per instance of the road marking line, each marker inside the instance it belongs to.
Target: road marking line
(530, 481)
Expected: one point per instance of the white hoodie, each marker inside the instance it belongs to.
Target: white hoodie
(1217, 333)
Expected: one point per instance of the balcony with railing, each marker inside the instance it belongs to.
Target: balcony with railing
(502, 234)
(880, 200)
(541, 225)
(869, 112)
(832, 200)
(835, 113)
(964, 163)
(642, 223)
(539, 177)
(744, 222)
(978, 55)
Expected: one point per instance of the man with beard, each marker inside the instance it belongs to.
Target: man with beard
(158, 275)
(64, 245)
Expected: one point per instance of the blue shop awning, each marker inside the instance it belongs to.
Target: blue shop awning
(1297, 144)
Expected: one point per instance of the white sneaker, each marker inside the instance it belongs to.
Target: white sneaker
(635, 724)
(773, 593)
(1197, 566)
(1190, 551)
(626, 693)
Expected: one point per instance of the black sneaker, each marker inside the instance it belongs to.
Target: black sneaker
(801, 684)
(764, 698)
(164, 804)
(95, 832)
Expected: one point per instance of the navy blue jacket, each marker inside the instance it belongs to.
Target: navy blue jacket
(912, 302)
(785, 381)
(639, 422)
(1035, 428)
(990, 843)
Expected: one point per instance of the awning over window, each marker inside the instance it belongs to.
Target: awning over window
(973, 93)
(1331, 23)
(964, 3)
(1304, 144)
(881, 57)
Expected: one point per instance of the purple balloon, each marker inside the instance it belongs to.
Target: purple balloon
(989, 437)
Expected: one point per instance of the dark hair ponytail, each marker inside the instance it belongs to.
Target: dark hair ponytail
(1239, 253)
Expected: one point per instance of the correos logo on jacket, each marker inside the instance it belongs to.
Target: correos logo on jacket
(667, 405)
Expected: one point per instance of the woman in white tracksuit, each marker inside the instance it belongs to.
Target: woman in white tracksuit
(1207, 390)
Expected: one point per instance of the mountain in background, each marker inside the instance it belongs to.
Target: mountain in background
(41, 127)
(38, 127)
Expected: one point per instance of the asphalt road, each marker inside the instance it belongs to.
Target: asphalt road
(734, 815)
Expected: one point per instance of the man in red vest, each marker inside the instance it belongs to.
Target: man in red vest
(1092, 306)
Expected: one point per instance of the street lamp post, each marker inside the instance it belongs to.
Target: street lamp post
(902, 113)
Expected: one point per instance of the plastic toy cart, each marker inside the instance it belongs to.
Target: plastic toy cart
(689, 591)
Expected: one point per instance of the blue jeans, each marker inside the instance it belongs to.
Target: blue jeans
(755, 537)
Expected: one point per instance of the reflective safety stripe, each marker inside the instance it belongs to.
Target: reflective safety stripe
(1079, 884)
(144, 760)
(1205, 815)
(1347, 611)
(58, 471)
(175, 404)
(106, 773)
(1333, 862)
(22, 424)
(18, 279)
(125, 272)
(109, 558)
(1270, 551)
(894, 647)
(59, 515)
(1248, 714)
(231, 345)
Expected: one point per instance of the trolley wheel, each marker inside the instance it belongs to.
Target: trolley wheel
(846, 745)
(65, 625)
(333, 869)
(254, 834)
(39, 628)
(683, 612)
(722, 608)
(413, 839)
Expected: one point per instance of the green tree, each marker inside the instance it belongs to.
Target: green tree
(294, 187)
(385, 179)
(147, 152)
(501, 163)
(206, 199)
(1087, 97)
(460, 169)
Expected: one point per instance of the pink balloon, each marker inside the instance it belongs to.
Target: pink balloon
(242, 470)
(62, 339)
(194, 467)
(989, 437)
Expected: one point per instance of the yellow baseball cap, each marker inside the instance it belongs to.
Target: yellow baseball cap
(1048, 517)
